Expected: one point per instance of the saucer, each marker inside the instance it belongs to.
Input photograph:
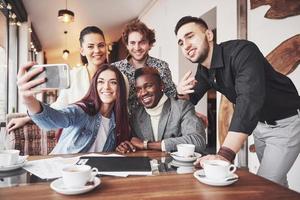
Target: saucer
(199, 174)
(176, 163)
(185, 159)
(21, 162)
(58, 186)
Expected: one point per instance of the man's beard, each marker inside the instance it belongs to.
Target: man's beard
(203, 54)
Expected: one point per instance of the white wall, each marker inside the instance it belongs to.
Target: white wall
(73, 59)
(268, 34)
(164, 15)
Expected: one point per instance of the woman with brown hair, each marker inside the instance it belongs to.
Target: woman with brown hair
(93, 54)
(96, 123)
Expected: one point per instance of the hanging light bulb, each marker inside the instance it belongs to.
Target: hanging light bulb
(66, 53)
(65, 15)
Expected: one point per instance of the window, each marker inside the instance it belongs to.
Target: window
(12, 68)
(3, 66)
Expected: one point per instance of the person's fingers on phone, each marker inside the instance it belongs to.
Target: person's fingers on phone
(26, 67)
(28, 85)
(23, 69)
(25, 78)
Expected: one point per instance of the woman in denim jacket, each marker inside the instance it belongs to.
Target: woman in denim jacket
(98, 122)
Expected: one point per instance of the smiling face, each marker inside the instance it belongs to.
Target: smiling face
(93, 48)
(149, 90)
(138, 46)
(107, 87)
(193, 41)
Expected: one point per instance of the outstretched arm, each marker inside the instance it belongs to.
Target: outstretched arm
(25, 85)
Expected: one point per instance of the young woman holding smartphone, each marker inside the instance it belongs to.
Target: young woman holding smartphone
(96, 123)
(93, 54)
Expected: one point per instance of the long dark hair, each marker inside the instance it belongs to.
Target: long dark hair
(88, 30)
(91, 102)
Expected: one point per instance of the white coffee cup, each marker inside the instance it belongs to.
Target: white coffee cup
(9, 157)
(185, 150)
(218, 169)
(76, 176)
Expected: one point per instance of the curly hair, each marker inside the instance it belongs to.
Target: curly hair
(138, 26)
(147, 70)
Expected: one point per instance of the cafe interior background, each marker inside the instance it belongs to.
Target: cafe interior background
(30, 30)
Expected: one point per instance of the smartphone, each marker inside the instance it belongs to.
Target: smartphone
(57, 75)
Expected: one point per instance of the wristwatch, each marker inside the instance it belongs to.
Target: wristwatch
(145, 144)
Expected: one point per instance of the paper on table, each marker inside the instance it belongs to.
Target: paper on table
(50, 168)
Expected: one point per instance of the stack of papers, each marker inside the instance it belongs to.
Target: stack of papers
(49, 168)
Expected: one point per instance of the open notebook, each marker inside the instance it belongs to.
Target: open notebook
(119, 166)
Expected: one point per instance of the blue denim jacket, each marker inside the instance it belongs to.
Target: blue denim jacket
(79, 129)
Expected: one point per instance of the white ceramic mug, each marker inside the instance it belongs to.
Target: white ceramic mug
(218, 169)
(185, 150)
(76, 176)
(9, 157)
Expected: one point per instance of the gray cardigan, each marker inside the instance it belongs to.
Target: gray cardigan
(177, 124)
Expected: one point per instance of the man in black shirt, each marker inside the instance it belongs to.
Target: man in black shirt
(266, 102)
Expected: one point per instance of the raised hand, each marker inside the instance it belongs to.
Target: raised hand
(186, 84)
(25, 82)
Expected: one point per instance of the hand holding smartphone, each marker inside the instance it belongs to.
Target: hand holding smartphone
(57, 77)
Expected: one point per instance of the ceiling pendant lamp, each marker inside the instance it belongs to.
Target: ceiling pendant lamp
(66, 52)
(65, 15)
